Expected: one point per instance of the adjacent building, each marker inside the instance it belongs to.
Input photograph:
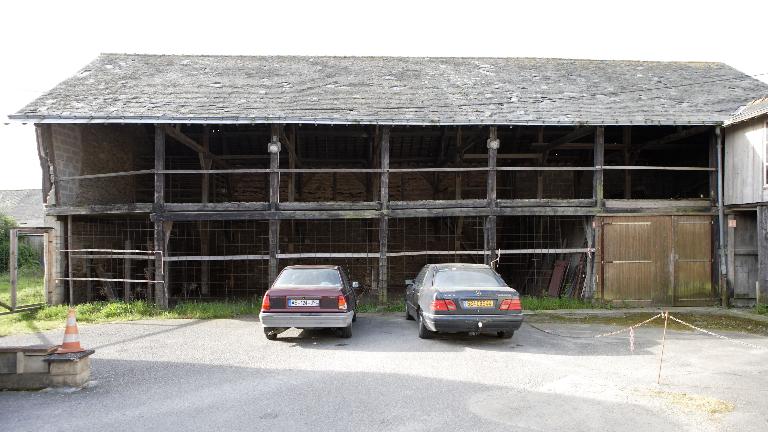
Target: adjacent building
(746, 199)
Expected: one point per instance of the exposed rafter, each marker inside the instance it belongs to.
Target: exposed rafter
(571, 136)
(686, 133)
(179, 136)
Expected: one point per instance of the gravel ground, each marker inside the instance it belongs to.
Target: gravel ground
(224, 375)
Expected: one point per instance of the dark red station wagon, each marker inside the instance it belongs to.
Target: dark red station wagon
(310, 296)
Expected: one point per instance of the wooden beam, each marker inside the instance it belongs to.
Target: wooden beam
(44, 142)
(599, 159)
(731, 250)
(577, 133)
(383, 262)
(762, 252)
(713, 168)
(158, 207)
(490, 223)
(274, 199)
(159, 197)
(505, 156)
(677, 136)
(383, 284)
(70, 285)
(626, 132)
(179, 136)
(203, 226)
(13, 266)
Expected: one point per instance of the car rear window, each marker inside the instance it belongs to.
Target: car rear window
(308, 277)
(466, 278)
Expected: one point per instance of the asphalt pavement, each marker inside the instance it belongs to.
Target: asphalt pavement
(224, 375)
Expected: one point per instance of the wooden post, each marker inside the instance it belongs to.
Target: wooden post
(383, 219)
(88, 263)
(127, 274)
(291, 143)
(71, 283)
(762, 251)
(49, 279)
(627, 141)
(458, 232)
(542, 162)
(158, 209)
(13, 265)
(490, 222)
(731, 251)
(203, 226)
(599, 156)
(274, 199)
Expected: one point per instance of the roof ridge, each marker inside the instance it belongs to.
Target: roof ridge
(352, 56)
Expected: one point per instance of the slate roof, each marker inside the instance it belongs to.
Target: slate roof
(128, 88)
(25, 206)
(756, 108)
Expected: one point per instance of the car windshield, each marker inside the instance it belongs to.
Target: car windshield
(309, 277)
(457, 277)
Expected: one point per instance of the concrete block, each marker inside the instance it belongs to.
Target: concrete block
(34, 364)
(7, 363)
(70, 367)
(31, 381)
(76, 380)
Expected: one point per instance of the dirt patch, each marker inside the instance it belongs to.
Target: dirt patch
(692, 402)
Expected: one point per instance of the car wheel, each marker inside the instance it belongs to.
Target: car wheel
(346, 332)
(268, 332)
(505, 334)
(408, 315)
(424, 332)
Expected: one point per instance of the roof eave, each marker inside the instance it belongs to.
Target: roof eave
(25, 118)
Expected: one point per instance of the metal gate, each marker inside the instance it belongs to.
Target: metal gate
(664, 260)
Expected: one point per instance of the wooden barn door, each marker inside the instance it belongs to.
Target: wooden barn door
(692, 255)
(634, 259)
(662, 260)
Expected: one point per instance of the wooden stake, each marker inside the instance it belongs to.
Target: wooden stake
(13, 264)
(663, 342)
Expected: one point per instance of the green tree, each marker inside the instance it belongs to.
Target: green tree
(27, 255)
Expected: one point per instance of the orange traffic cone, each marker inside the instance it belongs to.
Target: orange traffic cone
(71, 336)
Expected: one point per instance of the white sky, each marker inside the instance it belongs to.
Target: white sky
(44, 42)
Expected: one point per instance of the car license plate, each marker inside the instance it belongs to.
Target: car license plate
(478, 303)
(303, 303)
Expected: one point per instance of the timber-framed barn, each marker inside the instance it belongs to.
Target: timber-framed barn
(171, 177)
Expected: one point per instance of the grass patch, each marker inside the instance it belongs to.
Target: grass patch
(553, 303)
(51, 317)
(761, 309)
(29, 287)
(374, 307)
(709, 322)
(529, 303)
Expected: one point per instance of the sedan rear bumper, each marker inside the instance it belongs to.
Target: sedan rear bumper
(472, 323)
(306, 319)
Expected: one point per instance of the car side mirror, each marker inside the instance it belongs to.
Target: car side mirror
(408, 282)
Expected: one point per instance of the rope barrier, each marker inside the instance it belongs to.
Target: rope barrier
(631, 329)
(749, 345)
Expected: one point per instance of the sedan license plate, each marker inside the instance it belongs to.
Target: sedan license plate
(478, 303)
(303, 303)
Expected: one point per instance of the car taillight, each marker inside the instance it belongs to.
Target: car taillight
(443, 305)
(511, 304)
(342, 303)
(265, 303)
